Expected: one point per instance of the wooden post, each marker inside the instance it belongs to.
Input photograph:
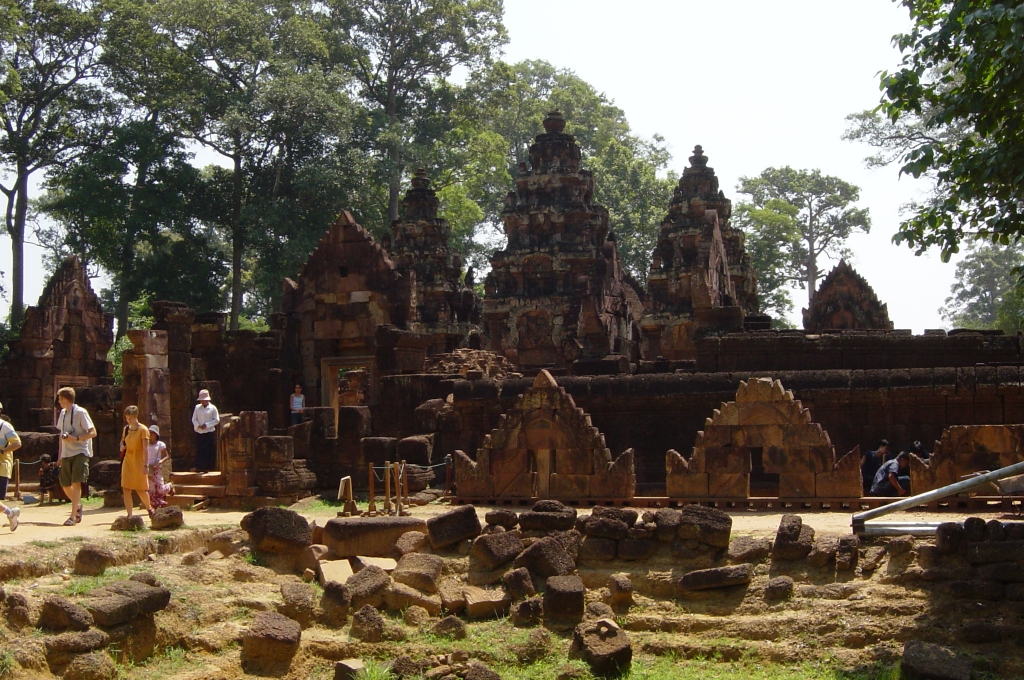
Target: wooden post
(372, 508)
(387, 487)
(17, 480)
(405, 483)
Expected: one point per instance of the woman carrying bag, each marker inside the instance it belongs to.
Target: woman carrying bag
(134, 461)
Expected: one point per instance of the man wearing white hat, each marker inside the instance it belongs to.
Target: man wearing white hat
(205, 419)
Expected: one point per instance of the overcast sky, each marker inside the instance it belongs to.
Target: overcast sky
(757, 83)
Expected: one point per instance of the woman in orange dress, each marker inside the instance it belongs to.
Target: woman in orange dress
(134, 469)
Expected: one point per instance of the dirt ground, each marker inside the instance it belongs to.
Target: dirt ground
(45, 523)
(838, 625)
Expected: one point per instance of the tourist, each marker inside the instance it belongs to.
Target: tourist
(297, 402)
(134, 459)
(9, 443)
(76, 435)
(49, 478)
(157, 456)
(869, 464)
(204, 421)
(893, 478)
(918, 450)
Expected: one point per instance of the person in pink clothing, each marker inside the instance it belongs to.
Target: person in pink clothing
(156, 457)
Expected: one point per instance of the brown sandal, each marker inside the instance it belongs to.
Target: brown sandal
(69, 522)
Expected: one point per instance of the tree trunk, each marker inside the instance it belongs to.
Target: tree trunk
(395, 155)
(18, 247)
(237, 242)
(812, 274)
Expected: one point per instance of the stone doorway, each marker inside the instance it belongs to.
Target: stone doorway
(762, 484)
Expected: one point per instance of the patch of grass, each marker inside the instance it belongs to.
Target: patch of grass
(80, 585)
(374, 671)
(7, 664)
(169, 662)
(253, 559)
(92, 502)
(45, 544)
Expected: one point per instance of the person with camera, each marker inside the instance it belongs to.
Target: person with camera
(76, 435)
(205, 419)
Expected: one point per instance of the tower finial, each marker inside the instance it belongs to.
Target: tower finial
(554, 122)
(698, 159)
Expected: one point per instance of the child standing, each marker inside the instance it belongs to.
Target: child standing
(49, 472)
(157, 452)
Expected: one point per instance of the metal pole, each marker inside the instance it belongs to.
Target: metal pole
(900, 529)
(936, 494)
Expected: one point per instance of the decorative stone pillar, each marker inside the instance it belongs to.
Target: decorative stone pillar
(146, 380)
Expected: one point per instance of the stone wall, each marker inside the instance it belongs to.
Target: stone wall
(864, 350)
(654, 413)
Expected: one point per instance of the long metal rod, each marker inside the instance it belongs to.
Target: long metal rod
(900, 529)
(935, 494)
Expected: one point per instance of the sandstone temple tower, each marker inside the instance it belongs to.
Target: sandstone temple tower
(845, 301)
(557, 293)
(701, 277)
(445, 307)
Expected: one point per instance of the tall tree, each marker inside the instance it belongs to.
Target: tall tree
(771, 232)
(399, 50)
(961, 72)
(233, 52)
(49, 98)
(986, 292)
(825, 217)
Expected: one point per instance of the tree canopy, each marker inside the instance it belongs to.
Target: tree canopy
(793, 219)
(960, 88)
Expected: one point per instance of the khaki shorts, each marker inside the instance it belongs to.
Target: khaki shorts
(74, 469)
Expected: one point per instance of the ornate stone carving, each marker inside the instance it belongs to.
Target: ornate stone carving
(545, 447)
(445, 307)
(700, 276)
(557, 293)
(965, 449)
(845, 301)
(768, 434)
(65, 338)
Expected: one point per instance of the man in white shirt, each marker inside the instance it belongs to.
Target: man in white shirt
(205, 419)
(297, 401)
(76, 434)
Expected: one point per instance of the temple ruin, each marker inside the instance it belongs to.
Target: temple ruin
(845, 301)
(529, 389)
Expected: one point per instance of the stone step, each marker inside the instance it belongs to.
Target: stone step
(183, 500)
(204, 478)
(205, 490)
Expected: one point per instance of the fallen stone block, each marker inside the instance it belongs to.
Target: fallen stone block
(486, 603)
(412, 541)
(717, 577)
(794, 540)
(335, 603)
(621, 591)
(277, 530)
(563, 602)
(453, 526)
(823, 551)
(603, 646)
(385, 564)
(299, 602)
(270, 642)
(779, 588)
(368, 587)
(333, 570)
(545, 557)
(450, 627)
(710, 526)
(419, 571)
(367, 625)
(749, 549)
(59, 613)
(369, 536)
(168, 517)
(507, 519)
(494, 550)
(93, 560)
(399, 596)
(925, 661)
(518, 583)
(527, 613)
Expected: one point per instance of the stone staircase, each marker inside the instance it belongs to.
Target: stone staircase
(191, 488)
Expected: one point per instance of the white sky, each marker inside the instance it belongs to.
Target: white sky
(757, 83)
